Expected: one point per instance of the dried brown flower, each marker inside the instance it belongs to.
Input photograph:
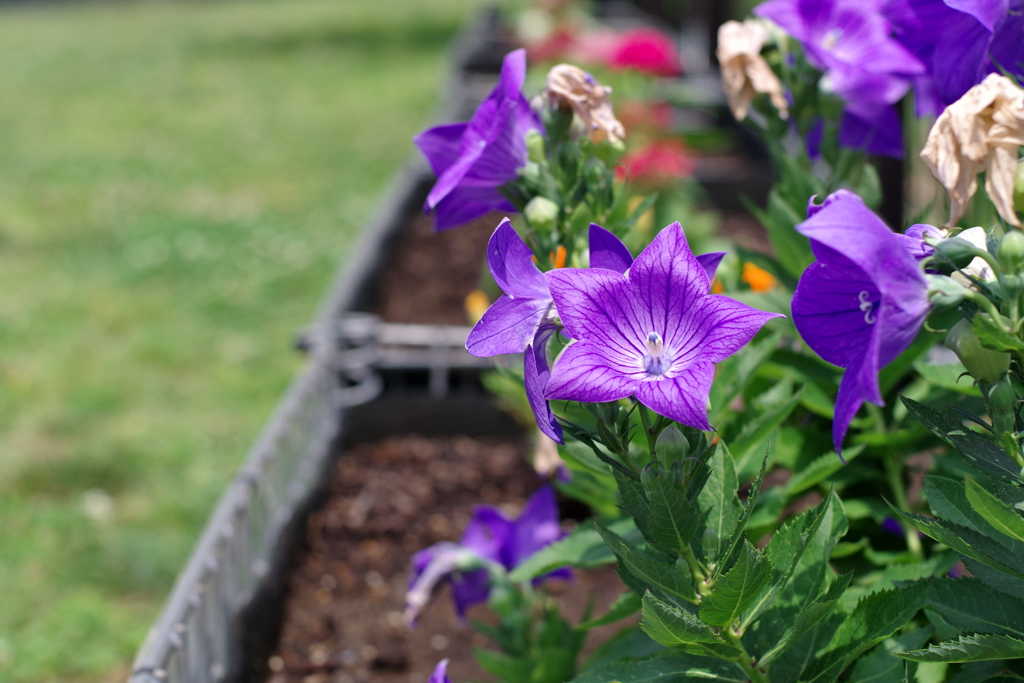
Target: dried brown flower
(744, 71)
(979, 132)
(571, 86)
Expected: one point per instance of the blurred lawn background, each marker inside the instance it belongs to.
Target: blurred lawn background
(178, 181)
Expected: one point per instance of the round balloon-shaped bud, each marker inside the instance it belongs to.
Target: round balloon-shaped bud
(985, 365)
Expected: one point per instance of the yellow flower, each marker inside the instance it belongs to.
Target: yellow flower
(476, 305)
(981, 131)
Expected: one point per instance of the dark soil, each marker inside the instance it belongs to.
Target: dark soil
(386, 500)
(430, 274)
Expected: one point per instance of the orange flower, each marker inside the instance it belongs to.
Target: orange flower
(759, 279)
(558, 257)
(716, 286)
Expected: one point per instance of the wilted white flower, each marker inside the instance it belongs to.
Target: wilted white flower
(571, 86)
(744, 71)
(981, 131)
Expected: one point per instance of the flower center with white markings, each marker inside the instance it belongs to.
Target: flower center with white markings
(868, 307)
(655, 361)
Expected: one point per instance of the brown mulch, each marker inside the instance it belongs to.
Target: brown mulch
(429, 275)
(387, 500)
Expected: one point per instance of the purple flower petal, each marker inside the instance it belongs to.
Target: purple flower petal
(464, 204)
(684, 397)
(511, 323)
(728, 325)
(511, 264)
(710, 262)
(584, 372)
(607, 251)
(535, 378)
(882, 134)
(508, 326)
(487, 532)
(440, 673)
(536, 528)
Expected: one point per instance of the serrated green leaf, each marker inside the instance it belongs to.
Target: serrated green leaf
(975, 648)
(717, 501)
(682, 631)
(980, 450)
(875, 618)
(812, 567)
(673, 520)
(997, 513)
(626, 604)
(738, 588)
(948, 500)
(880, 665)
(665, 580)
(808, 617)
(968, 542)
(674, 667)
(738, 534)
(582, 548)
(1001, 581)
(972, 607)
(784, 551)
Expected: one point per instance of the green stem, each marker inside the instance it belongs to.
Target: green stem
(983, 301)
(696, 570)
(652, 438)
(894, 473)
(746, 662)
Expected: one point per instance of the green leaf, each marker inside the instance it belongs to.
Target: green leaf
(665, 580)
(981, 451)
(947, 375)
(734, 374)
(791, 248)
(626, 604)
(812, 567)
(674, 667)
(738, 588)
(1001, 581)
(972, 607)
(673, 519)
(717, 500)
(784, 550)
(808, 617)
(582, 548)
(996, 512)
(975, 648)
(968, 542)
(762, 425)
(682, 631)
(948, 499)
(880, 665)
(505, 667)
(738, 534)
(874, 618)
(993, 334)
(819, 469)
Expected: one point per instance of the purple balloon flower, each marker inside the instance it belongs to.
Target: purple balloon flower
(490, 537)
(861, 303)
(608, 252)
(851, 42)
(473, 160)
(654, 332)
(959, 43)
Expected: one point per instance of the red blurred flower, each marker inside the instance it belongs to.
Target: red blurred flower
(648, 51)
(656, 164)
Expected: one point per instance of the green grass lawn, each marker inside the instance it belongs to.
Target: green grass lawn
(177, 183)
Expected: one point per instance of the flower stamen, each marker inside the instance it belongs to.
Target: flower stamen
(655, 362)
(868, 307)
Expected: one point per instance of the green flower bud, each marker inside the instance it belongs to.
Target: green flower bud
(648, 474)
(595, 172)
(1002, 404)
(957, 250)
(944, 292)
(1011, 250)
(671, 446)
(542, 214)
(985, 365)
(536, 148)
